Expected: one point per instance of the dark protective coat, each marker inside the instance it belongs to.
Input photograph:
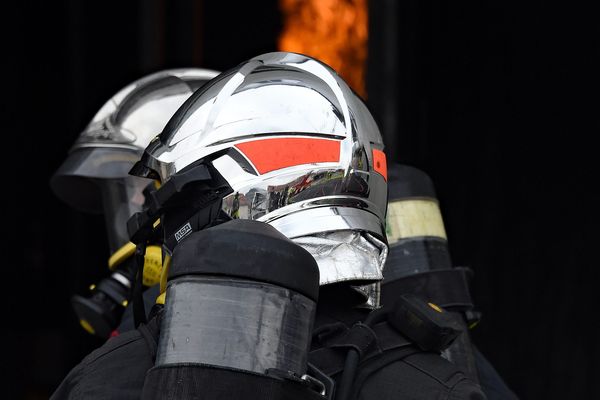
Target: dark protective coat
(117, 371)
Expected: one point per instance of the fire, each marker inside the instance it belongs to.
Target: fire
(333, 31)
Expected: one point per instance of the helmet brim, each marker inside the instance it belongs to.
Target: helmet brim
(76, 180)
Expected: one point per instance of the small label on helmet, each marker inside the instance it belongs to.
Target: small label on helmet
(183, 232)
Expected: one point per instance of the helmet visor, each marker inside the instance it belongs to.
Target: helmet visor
(121, 198)
(76, 182)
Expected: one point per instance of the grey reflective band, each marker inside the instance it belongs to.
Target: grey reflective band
(235, 323)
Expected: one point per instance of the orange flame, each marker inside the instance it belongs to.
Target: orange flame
(333, 31)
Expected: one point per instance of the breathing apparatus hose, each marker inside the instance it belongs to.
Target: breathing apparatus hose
(344, 390)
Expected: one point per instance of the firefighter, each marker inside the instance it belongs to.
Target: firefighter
(419, 262)
(94, 178)
(281, 140)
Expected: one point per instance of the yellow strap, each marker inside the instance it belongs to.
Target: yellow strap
(121, 255)
(152, 262)
(161, 298)
(152, 265)
(163, 280)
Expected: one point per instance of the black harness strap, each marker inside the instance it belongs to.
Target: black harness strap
(139, 311)
(374, 364)
(331, 354)
(150, 333)
(151, 330)
(360, 337)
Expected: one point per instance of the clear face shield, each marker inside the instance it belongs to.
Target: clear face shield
(121, 198)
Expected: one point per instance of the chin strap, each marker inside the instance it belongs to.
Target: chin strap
(139, 311)
(163, 280)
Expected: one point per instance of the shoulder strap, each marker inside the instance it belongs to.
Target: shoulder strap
(369, 342)
(405, 327)
(374, 364)
(151, 330)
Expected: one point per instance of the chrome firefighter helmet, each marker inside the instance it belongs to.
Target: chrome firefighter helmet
(299, 150)
(94, 177)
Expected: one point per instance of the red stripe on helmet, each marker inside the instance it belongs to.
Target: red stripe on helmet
(380, 163)
(276, 153)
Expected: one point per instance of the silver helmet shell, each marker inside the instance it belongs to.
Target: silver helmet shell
(298, 147)
(120, 131)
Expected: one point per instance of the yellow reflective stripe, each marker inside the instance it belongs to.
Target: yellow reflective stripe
(121, 255)
(414, 218)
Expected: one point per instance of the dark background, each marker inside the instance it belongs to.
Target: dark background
(495, 100)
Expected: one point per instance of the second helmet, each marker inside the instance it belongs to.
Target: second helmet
(94, 177)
